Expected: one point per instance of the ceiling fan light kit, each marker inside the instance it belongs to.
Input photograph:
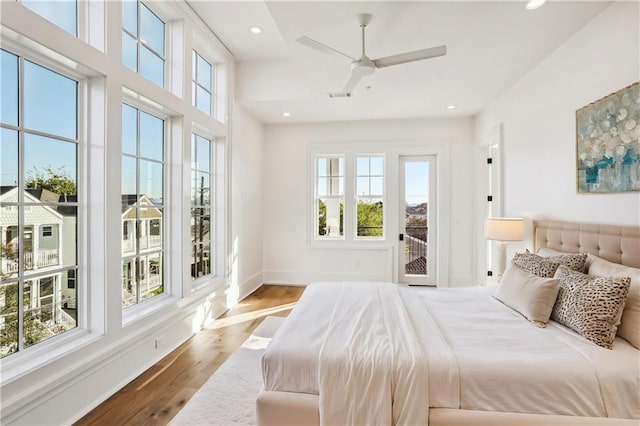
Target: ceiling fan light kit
(364, 65)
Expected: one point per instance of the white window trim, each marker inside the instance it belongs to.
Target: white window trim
(348, 151)
(141, 309)
(43, 352)
(382, 196)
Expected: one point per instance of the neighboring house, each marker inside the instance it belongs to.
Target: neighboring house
(49, 244)
(145, 260)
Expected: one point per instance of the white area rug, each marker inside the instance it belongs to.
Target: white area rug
(229, 396)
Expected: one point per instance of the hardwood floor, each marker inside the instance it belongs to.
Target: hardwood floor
(154, 397)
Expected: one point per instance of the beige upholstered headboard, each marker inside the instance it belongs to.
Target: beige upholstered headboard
(619, 244)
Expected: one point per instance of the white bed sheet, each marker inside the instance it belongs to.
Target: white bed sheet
(525, 369)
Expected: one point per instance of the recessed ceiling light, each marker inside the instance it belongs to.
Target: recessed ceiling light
(256, 30)
(534, 4)
(452, 106)
(286, 114)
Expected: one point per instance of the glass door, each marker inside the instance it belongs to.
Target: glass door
(417, 262)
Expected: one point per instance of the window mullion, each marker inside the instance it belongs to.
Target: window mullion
(21, 253)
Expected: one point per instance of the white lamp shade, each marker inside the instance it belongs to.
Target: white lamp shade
(504, 228)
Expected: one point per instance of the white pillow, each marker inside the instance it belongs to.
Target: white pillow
(629, 328)
(527, 293)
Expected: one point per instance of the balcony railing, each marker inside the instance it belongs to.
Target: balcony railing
(415, 244)
(42, 259)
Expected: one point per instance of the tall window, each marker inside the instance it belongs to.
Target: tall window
(369, 196)
(201, 208)
(143, 41)
(202, 83)
(38, 203)
(63, 13)
(329, 200)
(142, 205)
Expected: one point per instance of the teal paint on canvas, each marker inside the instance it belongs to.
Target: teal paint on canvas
(608, 143)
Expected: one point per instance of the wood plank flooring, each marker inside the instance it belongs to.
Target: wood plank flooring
(154, 397)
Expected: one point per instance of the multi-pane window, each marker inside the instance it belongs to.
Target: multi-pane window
(201, 208)
(369, 196)
(143, 41)
(329, 199)
(202, 83)
(38, 203)
(143, 160)
(63, 13)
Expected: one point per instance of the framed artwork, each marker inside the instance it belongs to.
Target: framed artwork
(608, 143)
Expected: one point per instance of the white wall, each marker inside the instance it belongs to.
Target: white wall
(538, 113)
(289, 258)
(246, 201)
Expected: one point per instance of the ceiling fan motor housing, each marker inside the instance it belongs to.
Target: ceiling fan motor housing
(363, 66)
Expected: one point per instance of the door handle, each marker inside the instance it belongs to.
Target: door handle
(401, 237)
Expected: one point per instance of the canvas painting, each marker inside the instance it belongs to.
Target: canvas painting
(608, 143)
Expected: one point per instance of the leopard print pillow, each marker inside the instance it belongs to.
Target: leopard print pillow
(592, 306)
(575, 262)
(547, 266)
(537, 265)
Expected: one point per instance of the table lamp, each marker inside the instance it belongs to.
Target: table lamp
(503, 229)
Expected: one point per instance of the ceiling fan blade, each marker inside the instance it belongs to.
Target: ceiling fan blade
(351, 84)
(309, 42)
(416, 55)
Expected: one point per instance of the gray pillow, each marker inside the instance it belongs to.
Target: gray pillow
(527, 293)
(592, 306)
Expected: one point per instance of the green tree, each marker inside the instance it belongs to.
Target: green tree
(370, 219)
(34, 330)
(55, 180)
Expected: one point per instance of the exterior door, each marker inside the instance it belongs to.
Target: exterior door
(417, 256)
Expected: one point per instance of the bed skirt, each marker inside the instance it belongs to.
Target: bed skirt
(300, 409)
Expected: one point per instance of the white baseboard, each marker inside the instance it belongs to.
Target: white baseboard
(306, 277)
(250, 285)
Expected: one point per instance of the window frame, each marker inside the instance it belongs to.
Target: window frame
(196, 84)
(349, 150)
(142, 305)
(317, 197)
(140, 43)
(42, 59)
(212, 206)
(358, 197)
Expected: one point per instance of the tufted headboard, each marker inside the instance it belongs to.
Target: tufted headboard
(618, 244)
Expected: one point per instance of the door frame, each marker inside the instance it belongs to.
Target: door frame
(431, 279)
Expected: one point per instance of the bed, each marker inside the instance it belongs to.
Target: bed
(441, 368)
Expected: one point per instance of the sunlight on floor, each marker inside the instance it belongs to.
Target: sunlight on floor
(249, 316)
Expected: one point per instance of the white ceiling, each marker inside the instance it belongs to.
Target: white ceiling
(490, 46)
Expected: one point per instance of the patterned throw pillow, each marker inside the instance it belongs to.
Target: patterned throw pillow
(592, 306)
(546, 266)
(538, 265)
(573, 261)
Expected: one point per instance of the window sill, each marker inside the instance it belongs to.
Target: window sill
(21, 364)
(133, 314)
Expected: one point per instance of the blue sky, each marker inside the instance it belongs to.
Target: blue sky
(49, 107)
(416, 182)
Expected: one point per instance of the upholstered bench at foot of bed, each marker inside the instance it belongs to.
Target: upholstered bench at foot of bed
(287, 409)
(300, 409)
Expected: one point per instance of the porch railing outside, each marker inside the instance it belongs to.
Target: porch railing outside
(42, 259)
(415, 243)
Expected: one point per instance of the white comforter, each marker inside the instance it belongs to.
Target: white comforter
(479, 354)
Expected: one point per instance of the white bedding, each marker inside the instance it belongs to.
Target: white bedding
(523, 369)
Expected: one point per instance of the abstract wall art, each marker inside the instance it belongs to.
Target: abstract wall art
(608, 143)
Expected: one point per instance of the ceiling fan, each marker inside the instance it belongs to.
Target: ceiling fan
(365, 66)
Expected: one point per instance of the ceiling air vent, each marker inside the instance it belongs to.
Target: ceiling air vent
(339, 94)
